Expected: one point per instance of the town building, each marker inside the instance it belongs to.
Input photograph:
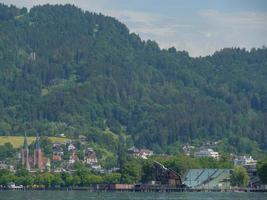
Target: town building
(187, 149)
(145, 153)
(56, 156)
(141, 153)
(3, 165)
(71, 147)
(90, 157)
(133, 151)
(248, 162)
(73, 158)
(245, 161)
(58, 151)
(207, 153)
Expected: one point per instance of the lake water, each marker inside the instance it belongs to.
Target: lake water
(82, 195)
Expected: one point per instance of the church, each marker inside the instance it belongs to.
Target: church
(35, 162)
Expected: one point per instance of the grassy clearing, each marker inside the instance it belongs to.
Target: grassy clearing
(17, 141)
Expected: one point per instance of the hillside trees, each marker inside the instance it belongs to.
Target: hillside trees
(90, 76)
(239, 177)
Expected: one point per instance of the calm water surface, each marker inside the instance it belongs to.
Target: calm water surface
(80, 195)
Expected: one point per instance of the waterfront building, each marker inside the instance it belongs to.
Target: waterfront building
(208, 178)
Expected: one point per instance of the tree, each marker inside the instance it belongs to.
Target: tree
(45, 179)
(57, 180)
(112, 178)
(76, 180)
(121, 152)
(46, 144)
(6, 177)
(130, 172)
(239, 177)
(7, 151)
(262, 172)
(23, 177)
(91, 179)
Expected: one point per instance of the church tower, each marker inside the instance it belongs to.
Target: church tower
(38, 155)
(25, 154)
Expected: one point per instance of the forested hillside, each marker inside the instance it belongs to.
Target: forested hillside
(63, 70)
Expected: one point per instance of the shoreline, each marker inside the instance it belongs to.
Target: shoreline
(161, 190)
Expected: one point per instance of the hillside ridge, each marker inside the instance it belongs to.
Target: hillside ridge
(65, 70)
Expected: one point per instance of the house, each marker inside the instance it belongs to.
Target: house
(248, 162)
(57, 149)
(90, 157)
(71, 147)
(133, 151)
(56, 145)
(32, 56)
(3, 165)
(145, 153)
(207, 153)
(188, 149)
(73, 158)
(56, 156)
(142, 153)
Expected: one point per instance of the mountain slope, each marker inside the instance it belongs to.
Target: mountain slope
(66, 70)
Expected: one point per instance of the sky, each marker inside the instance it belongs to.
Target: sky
(200, 27)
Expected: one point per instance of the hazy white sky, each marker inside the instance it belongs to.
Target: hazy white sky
(197, 26)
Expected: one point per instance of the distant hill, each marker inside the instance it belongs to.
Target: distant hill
(63, 70)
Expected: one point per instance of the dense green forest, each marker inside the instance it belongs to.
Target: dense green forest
(64, 70)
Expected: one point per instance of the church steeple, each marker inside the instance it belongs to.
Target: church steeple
(38, 154)
(37, 142)
(25, 143)
(25, 154)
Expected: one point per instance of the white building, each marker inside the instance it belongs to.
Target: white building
(73, 158)
(207, 153)
(145, 153)
(141, 153)
(71, 147)
(245, 161)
